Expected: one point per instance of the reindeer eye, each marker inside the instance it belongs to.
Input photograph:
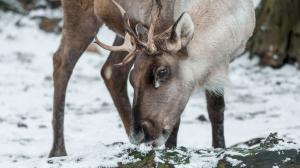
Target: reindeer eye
(162, 73)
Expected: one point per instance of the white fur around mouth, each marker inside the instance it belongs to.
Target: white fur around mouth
(136, 139)
(160, 141)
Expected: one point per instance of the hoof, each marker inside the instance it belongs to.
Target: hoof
(220, 145)
(57, 153)
(171, 143)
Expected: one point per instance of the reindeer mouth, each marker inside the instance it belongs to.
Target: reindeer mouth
(139, 138)
(160, 141)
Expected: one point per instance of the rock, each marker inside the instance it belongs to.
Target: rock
(255, 153)
(48, 78)
(202, 118)
(25, 58)
(262, 158)
(50, 161)
(261, 153)
(105, 104)
(42, 126)
(22, 125)
(250, 143)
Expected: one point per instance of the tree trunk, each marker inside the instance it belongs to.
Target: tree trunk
(277, 35)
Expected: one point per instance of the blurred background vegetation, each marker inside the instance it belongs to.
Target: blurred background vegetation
(277, 35)
(276, 39)
(25, 6)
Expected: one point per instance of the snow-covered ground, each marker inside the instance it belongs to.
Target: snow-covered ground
(260, 101)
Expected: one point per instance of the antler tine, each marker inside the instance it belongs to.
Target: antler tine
(121, 9)
(129, 57)
(151, 46)
(130, 38)
(126, 20)
(126, 46)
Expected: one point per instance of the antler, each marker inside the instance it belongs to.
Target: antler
(150, 44)
(126, 46)
(131, 40)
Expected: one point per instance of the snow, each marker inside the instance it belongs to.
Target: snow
(256, 2)
(234, 162)
(259, 101)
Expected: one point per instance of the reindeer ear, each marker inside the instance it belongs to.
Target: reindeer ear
(142, 32)
(182, 33)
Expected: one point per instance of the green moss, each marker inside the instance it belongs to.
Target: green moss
(167, 158)
(145, 162)
(257, 154)
(177, 157)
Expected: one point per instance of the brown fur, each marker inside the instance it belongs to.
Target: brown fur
(79, 29)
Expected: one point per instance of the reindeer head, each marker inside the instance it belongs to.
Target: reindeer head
(162, 85)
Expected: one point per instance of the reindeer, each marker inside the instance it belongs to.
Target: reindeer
(174, 46)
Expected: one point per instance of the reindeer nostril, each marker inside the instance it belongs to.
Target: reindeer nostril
(146, 126)
(164, 132)
(148, 129)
